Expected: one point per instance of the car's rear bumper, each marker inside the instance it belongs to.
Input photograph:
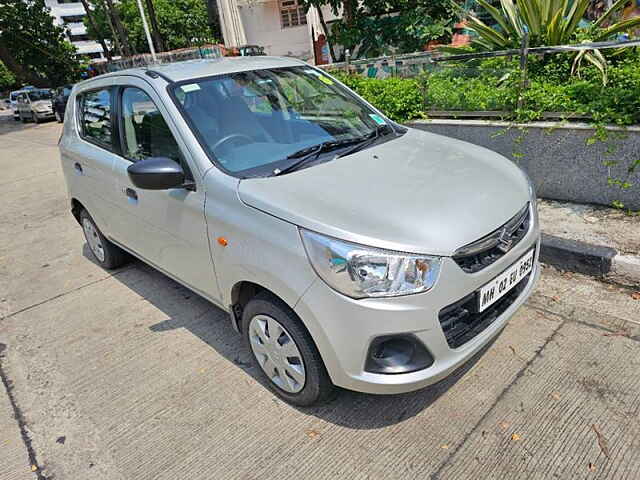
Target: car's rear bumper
(344, 328)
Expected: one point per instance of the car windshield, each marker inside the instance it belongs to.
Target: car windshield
(36, 95)
(250, 122)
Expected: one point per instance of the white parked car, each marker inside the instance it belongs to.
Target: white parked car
(348, 250)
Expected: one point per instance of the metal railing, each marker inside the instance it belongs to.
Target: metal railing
(191, 53)
(412, 64)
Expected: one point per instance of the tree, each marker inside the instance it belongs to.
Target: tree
(374, 27)
(155, 30)
(33, 48)
(99, 37)
(214, 18)
(114, 16)
(7, 78)
(181, 23)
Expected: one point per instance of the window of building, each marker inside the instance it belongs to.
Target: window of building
(72, 19)
(95, 117)
(79, 38)
(146, 133)
(291, 14)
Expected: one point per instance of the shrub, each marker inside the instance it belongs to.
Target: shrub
(401, 99)
(494, 85)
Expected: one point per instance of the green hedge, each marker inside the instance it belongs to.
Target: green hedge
(493, 85)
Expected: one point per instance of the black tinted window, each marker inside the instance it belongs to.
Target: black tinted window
(95, 117)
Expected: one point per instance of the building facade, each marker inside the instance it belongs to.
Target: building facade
(70, 14)
(281, 27)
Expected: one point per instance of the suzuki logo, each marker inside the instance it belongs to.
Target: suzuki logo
(504, 241)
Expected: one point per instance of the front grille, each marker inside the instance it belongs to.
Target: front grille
(480, 254)
(461, 321)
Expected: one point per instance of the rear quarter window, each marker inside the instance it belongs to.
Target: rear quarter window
(95, 117)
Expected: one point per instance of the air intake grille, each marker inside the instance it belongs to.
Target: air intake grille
(461, 321)
(480, 254)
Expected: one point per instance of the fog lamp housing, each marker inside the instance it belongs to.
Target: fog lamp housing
(394, 354)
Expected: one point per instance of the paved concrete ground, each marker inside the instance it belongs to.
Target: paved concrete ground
(131, 376)
(591, 224)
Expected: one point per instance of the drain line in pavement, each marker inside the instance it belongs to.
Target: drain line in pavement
(17, 413)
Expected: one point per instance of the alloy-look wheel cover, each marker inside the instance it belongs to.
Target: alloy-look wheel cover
(277, 353)
(93, 239)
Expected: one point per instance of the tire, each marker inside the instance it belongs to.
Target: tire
(17, 119)
(316, 388)
(35, 118)
(23, 118)
(108, 255)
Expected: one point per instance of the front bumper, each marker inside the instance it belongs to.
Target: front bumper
(343, 328)
(44, 115)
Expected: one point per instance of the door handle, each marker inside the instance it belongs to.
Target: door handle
(78, 167)
(131, 193)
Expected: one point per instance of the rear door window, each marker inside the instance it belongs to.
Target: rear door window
(95, 117)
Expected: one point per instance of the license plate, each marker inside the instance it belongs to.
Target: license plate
(500, 286)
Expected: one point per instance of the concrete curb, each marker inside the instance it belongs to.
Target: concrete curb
(594, 260)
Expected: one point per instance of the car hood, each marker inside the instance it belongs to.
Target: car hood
(421, 193)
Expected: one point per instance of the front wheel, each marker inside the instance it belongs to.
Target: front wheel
(107, 254)
(284, 352)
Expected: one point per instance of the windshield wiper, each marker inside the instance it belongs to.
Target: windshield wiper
(312, 153)
(365, 142)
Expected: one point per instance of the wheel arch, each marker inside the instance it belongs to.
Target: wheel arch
(76, 208)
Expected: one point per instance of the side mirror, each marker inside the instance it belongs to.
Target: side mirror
(156, 173)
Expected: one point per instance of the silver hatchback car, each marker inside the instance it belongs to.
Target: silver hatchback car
(348, 250)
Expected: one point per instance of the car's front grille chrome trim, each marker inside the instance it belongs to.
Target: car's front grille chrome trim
(480, 254)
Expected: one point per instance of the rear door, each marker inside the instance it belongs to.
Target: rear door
(166, 228)
(88, 153)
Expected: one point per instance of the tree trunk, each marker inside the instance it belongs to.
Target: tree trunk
(22, 74)
(328, 39)
(214, 19)
(99, 36)
(124, 41)
(155, 30)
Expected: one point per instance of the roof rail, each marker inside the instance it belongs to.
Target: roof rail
(155, 74)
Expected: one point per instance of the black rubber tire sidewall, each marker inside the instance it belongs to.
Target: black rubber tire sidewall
(318, 387)
(114, 256)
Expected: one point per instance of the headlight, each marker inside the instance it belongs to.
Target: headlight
(359, 272)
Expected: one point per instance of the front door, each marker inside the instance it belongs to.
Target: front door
(165, 227)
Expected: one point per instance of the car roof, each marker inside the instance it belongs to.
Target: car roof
(192, 69)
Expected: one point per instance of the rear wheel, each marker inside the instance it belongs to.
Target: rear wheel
(107, 254)
(284, 352)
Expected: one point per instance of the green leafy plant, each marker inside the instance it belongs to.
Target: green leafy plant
(548, 22)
